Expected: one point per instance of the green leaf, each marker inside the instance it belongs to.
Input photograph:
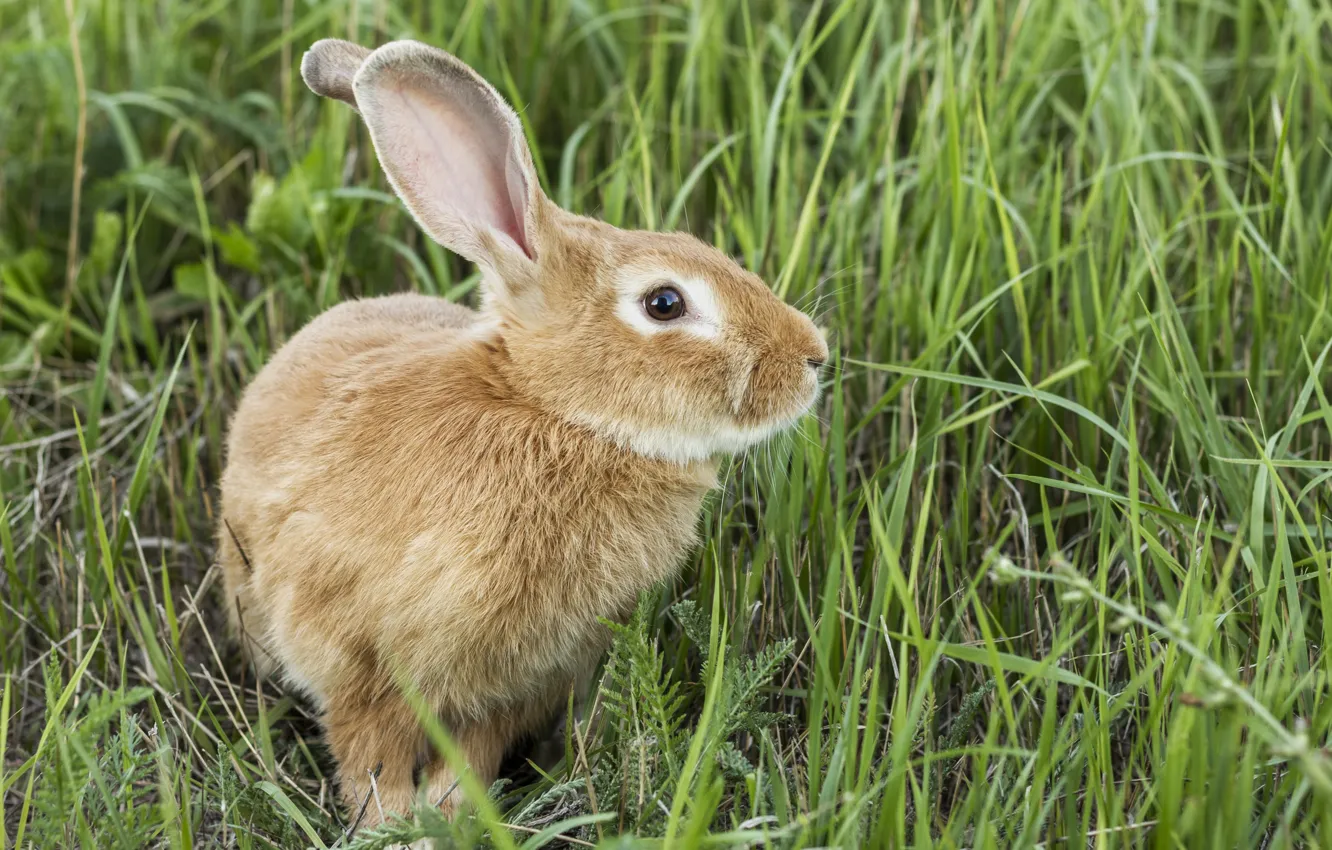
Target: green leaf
(237, 248)
(108, 227)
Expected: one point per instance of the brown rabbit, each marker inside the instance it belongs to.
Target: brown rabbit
(414, 488)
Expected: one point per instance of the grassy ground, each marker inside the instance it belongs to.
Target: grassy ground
(1051, 568)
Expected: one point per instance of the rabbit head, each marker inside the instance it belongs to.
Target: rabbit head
(657, 341)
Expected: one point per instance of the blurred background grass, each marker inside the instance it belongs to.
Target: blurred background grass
(1049, 568)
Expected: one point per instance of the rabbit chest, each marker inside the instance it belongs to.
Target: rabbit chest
(555, 547)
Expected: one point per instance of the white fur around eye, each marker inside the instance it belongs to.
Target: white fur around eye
(702, 316)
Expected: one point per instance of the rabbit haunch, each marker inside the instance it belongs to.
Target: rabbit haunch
(418, 491)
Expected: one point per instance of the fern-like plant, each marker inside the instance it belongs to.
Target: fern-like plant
(649, 739)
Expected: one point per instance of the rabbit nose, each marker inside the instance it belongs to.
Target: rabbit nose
(816, 363)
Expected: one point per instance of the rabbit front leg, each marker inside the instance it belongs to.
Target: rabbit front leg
(482, 744)
(380, 739)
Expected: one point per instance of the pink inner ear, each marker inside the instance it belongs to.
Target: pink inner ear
(517, 183)
(452, 155)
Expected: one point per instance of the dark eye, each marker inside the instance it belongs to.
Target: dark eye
(664, 303)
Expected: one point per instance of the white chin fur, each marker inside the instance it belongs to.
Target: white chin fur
(680, 447)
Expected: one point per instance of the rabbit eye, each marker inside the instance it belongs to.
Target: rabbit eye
(664, 303)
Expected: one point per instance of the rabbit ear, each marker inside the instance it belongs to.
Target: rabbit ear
(454, 152)
(329, 66)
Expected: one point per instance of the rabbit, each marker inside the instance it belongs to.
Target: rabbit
(414, 488)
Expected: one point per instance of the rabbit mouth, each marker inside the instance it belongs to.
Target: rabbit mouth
(773, 396)
(780, 401)
(745, 432)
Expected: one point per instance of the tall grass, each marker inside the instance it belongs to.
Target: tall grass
(1050, 568)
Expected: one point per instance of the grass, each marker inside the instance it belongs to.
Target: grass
(1050, 568)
